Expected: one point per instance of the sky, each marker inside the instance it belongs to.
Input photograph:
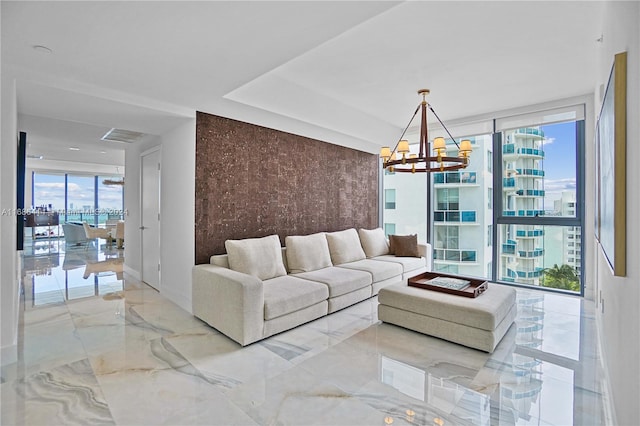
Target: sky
(559, 162)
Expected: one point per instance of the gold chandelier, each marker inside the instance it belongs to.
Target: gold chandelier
(423, 162)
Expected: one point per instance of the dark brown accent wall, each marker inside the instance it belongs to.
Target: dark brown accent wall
(253, 181)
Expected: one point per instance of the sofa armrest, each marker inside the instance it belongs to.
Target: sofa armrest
(230, 301)
(425, 251)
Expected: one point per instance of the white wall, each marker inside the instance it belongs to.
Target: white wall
(8, 255)
(177, 255)
(619, 313)
(177, 212)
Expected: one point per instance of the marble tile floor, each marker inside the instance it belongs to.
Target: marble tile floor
(108, 349)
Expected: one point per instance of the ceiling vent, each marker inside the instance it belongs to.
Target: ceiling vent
(119, 135)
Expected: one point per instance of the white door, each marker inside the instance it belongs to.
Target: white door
(150, 216)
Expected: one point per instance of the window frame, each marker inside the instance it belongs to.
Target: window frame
(500, 219)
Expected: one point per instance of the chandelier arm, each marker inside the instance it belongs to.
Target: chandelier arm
(405, 129)
(443, 126)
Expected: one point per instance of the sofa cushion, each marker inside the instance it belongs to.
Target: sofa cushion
(307, 252)
(339, 280)
(344, 246)
(286, 294)
(404, 245)
(379, 270)
(408, 263)
(260, 257)
(374, 242)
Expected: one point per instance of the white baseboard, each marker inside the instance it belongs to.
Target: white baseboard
(9, 355)
(130, 271)
(607, 394)
(178, 299)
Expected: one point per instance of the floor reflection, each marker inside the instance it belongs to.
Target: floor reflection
(71, 273)
(95, 339)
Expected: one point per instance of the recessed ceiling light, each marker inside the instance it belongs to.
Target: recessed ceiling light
(103, 152)
(73, 148)
(42, 49)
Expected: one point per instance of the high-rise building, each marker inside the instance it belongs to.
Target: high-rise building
(571, 235)
(463, 210)
(523, 195)
(462, 213)
(462, 204)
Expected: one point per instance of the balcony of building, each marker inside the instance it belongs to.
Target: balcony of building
(529, 131)
(535, 273)
(509, 275)
(508, 183)
(530, 173)
(537, 252)
(510, 150)
(530, 213)
(509, 248)
(521, 233)
(447, 217)
(535, 193)
(532, 152)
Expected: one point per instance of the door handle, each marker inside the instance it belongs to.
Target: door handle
(142, 228)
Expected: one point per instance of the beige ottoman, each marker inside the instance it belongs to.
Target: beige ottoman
(478, 323)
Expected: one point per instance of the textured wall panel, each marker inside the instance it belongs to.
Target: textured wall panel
(252, 181)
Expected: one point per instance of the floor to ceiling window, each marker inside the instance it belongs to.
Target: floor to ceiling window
(81, 194)
(48, 191)
(79, 198)
(540, 215)
(514, 214)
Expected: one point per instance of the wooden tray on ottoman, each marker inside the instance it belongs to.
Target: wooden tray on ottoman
(475, 288)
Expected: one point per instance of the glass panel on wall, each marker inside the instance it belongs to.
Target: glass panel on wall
(539, 170)
(462, 212)
(110, 198)
(540, 223)
(409, 211)
(81, 199)
(47, 197)
(546, 256)
(48, 191)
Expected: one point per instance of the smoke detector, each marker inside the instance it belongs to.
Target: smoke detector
(120, 135)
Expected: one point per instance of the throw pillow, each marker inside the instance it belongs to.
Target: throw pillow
(344, 246)
(374, 242)
(260, 257)
(404, 245)
(307, 253)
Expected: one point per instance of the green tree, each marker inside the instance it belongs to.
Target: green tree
(563, 277)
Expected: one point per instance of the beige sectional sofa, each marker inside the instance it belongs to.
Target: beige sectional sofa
(259, 289)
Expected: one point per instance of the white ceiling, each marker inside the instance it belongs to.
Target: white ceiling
(344, 72)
